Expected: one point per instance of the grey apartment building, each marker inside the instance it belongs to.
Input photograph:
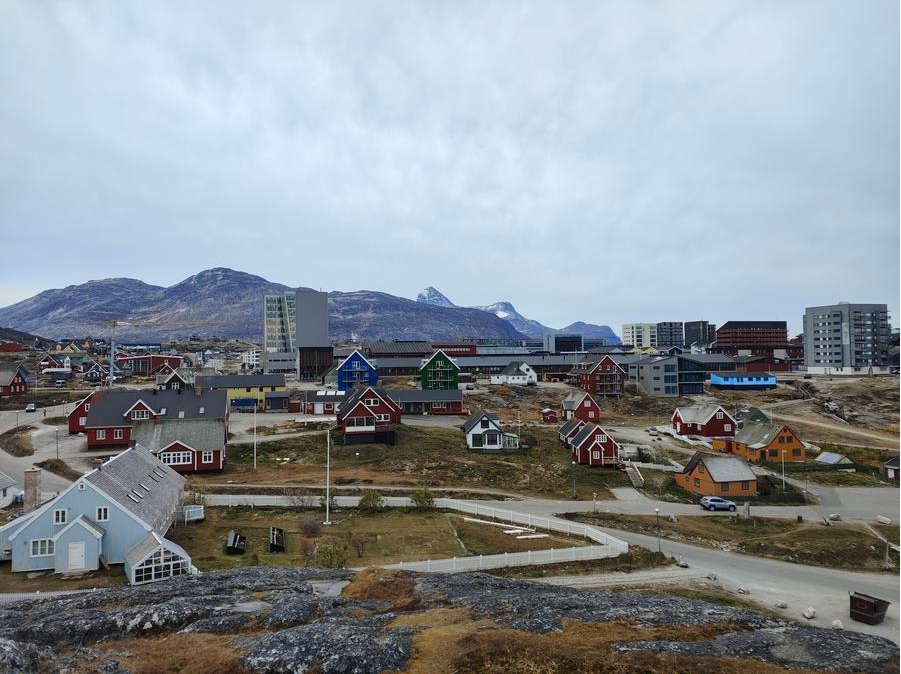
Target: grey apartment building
(847, 338)
(699, 333)
(295, 334)
(669, 333)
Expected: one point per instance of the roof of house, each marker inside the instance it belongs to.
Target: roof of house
(324, 396)
(699, 414)
(571, 401)
(571, 425)
(108, 407)
(148, 545)
(220, 381)
(142, 484)
(586, 432)
(477, 416)
(832, 458)
(359, 393)
(399, 347)
(427, 395)
(748, 414)
(758, 433)
(7, 373)
(198, 434)
(894, 462)
(514, 367)
(6, 481)
(721, 468)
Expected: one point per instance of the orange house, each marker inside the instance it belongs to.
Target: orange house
(717, 475)
(761, 441)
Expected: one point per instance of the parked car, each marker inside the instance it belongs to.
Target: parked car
(30, 407)
(716, 503)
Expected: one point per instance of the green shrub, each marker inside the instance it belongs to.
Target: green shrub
(371, 502)
(423, 499)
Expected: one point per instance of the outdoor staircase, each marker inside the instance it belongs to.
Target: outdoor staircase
(634, 476)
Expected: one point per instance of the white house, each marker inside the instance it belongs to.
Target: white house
(484, 433)
(517, 373)
(119, 512)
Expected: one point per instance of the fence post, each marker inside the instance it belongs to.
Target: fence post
(454, 564)
(480, 561)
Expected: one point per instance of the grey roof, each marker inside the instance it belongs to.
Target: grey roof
(276, 394)
(832, 458)
(698, 414)
(722, 467)
(198, 434)
(514, 367)
(758, 433)
(358, 394)
(426, 395)
(486, 361)
(379, 347)
(222, 381)
(894, 462)
(568, 427)
(108, 406)
(150, 544)
(7, 373)
(141, 484)
(476, 416)
(586, 432)
(6, 481)
(572, 400)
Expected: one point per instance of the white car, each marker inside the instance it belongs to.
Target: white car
(716, 503)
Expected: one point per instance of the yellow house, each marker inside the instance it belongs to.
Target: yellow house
(244, 391)
(716, 475)
(764, 441)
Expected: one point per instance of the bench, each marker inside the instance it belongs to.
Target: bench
(276, 539)
(235, 543)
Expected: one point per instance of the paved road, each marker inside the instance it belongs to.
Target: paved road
(890, 442)
(44, 442)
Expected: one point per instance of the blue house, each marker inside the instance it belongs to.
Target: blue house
(743, 381)
(356, 371)
(116, 514)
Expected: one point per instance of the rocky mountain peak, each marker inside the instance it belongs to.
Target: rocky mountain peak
(434, 297)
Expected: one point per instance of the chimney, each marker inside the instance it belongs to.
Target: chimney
(32, 496)
(97, 463)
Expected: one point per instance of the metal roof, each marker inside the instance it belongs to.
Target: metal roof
(108, 407)
(198, 434)
(758, 433)
(722, 468)
(477, 416)
(699, 414)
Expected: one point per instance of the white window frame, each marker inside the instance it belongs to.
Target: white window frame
(118, 434)
(140, 415)
(103, 513)
(60, 516)
(42, 547)
(600, 439)
(206, 457)
(181, 458)
(101, 434)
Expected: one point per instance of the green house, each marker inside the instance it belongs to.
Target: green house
(439, 372)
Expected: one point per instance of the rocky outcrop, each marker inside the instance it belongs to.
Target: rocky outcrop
(296, 620)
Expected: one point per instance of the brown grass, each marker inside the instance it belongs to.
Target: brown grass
(395, 587)
(183, 653)
(61, 468)
(17, 442)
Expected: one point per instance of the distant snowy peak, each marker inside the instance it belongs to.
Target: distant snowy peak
(432, 296)
(526, 326)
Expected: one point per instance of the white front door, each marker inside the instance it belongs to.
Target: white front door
(76, 555)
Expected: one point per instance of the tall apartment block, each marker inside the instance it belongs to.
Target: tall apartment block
(641, 335)
(278, 323)
(752, 338)
(314, 349)
(670, 333)
(847, 338)
(699, 333)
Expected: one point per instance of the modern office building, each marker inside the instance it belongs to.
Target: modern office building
(847, 338)
(641, 335)
(559, 342)
(699, 333)
(279, 323)
(752, 338)
(314, 349)
(669, 333)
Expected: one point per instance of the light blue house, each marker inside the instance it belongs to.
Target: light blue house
(743, 381)
(116, 514)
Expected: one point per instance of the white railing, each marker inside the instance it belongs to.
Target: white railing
(508, 559)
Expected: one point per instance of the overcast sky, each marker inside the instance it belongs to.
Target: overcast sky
(608, 162)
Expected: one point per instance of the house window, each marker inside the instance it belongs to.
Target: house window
(796, 452)
(177, 458)
(719, 415)
(781, 439)
(42, 547)
(774, 452)
(102, 514)
(483, 423)
(587, 403)
(82, 421)
(118, 434)
(600, 439)
(697, 482)
(727, 427)
(701, 469)
(137, 415)
(745, 485)
(724, 487)
(101, 434)
(87, 407)
(371, 402)
(206, 457)
(596, 454)
(591, 414)
(59, 516)
(382, 417)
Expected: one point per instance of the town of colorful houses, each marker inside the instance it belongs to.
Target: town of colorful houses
(178, 423)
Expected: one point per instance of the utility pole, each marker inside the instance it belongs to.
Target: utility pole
(328, 467)
(657, 513)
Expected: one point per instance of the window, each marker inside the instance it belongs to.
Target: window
(101, 434)
(596, 454)
(82, 421)
(781, 439)
(773, 452)
(176, 458)
(137, 415)
(118, 434)
(87, 407)
(796, 452)
(42, 547)
(59, 516)
(724, 486)
(102, 514)
(727, 427)
(587, 403)
(483, 423)
(697, 482)
(207, 457)
(383, 417)
(719, 415)
(600, 438)
(591, 414)
(745, 485)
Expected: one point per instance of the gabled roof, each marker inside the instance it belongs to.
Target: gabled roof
(893, 462)
(353, 353)
(198, 434)
(587, 431)
(6, 481)
(357, 396)
(832, 458)
(439, 352)
(596, 364)
(574, 399)
(699, 414)
(514, 367)
(109, 406)
(148, 545)
(8, 373)
(82, 521)
(758, 433)
(721, 468)
(477, 416)
(141, 484)
(570, 426)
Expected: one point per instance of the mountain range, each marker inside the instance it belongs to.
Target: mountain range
(225, 303)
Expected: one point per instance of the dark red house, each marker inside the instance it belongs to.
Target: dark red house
(369, 415)
(709, 421)
(603, 377)
(185, 445)
(579, 405)
(12, 381)
(593, 446)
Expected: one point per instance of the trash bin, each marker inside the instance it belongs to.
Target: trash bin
(867, 609)
(800, 519)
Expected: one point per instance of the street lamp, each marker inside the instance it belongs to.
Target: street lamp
(594, 501)
(57, 444)
(254, 435)
(574, 481)
(328, 467)
(783, 471)
(657, 513)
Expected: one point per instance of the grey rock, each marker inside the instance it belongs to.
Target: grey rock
(18, 657)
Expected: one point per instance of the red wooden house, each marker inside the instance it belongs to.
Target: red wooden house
(549, 416)
(709, 421)
(185, 445)
(580, 405)
(604, 377)
(569, 430)
(593, 446)
(369, 415)
(148, 365)
(12, 381)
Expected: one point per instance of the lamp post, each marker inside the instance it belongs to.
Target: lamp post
(328, 467)
(57, 444)
(783, 470)
(594, 501)
(657, 513)
(254, 435)
(574, 480)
